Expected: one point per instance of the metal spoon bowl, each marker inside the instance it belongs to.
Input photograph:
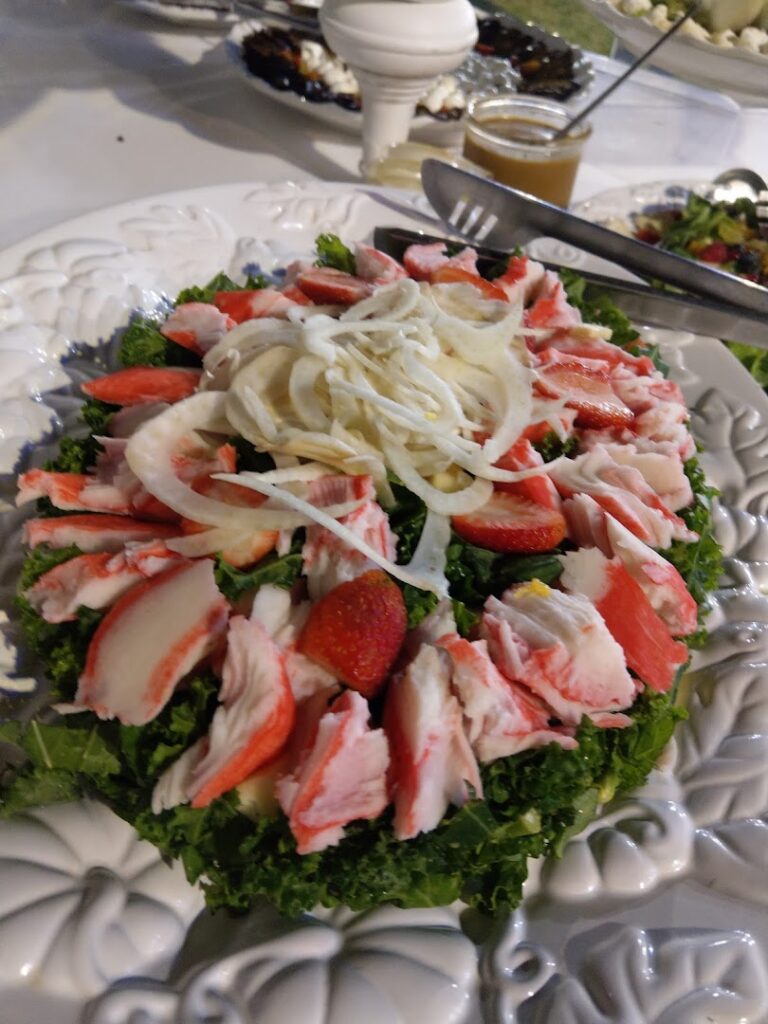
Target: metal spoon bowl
(737, 183)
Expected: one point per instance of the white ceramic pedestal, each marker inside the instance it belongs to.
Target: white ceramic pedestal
(396, 48)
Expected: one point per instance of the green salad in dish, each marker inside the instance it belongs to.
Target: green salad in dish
(725, 235)
(366, 582)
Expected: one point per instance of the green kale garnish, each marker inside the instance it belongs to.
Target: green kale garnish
(331, 252)
(142, 344)
(552, 447)
(220, 283)
(278, 570)
(700, 563)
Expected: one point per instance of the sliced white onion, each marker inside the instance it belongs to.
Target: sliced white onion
(422, 580)
(456, 503)
(149, 453)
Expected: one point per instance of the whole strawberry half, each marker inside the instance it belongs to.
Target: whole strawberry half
(356, 630)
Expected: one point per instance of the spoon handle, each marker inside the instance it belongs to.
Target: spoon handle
(562, 132)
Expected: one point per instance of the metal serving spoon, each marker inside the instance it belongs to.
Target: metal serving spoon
(737, 183)
(742, 183)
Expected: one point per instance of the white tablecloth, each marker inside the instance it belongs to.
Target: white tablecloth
(100, 104)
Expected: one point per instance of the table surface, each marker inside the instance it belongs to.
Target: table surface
(100, 104)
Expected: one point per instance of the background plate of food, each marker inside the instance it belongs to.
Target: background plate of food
(735, 62)
(294, 66)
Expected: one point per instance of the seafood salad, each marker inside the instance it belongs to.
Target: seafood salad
(367, 582)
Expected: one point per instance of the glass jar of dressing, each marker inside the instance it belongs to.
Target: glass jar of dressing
(511, 136)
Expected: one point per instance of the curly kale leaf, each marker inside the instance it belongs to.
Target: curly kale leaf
(331, 252)
(220, 283)
(142, 344)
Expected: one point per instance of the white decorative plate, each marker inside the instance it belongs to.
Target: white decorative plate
(657, 913)
(733, 70)
(184, 15)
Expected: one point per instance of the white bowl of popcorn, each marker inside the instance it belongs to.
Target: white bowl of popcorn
(725, 47)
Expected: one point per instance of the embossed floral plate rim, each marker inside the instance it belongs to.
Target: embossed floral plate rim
(671, 873)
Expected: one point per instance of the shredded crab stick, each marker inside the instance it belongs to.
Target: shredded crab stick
(340, 778)
(197, 326)
(149, 640)
(422, 261)
(560, 648)
(376, 266)
(255, 716)
(662, 470)
(238, 548)
(138, 384)
(648, 647)
(93, 532)
(432, 761)
(551, 307)
(502, 717)
(623, 492)
(94, 581)
(327, 560)
(590, 525)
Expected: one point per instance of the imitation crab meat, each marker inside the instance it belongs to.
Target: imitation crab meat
(432, 761)
(197, 326)
(340, 776)
(327, 560)
(503, 718)
(645, 639)
(94, 532)
(255, 717)
(590, 525)
(95, 580)
(623, 492)
(560, 648)
(149, 640)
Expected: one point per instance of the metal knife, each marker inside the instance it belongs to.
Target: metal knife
(642, 304)
(497, 215)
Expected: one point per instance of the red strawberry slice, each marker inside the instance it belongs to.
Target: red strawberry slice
(139, 384)
(450, 274)
(587, 390)
(509, 522)
(356, 630)
(327, 285)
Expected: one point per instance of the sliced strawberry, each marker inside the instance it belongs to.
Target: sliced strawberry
(586, 389)
(327, 285)
(139, 384)
(715, 252)
(508, 522)
(357, 630)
